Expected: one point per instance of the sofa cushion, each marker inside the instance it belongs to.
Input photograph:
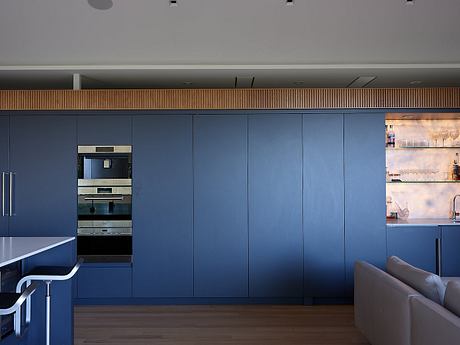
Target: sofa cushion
(428, 284)
(452, 298)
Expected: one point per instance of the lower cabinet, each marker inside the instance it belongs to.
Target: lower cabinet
(104, 281)
(414, 244)
(450, 244)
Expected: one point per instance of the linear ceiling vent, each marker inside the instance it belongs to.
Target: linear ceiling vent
(244, 82)
(173, 3)
(362, 81)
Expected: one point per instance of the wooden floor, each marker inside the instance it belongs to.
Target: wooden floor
(215, 325)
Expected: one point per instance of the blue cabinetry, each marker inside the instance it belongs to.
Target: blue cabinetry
(162, 206)
(43, 157)
(450, 244)
(275, 206)
(104, 130)
(104, 281)
(220, 212)
(414, 244)
(364, 154)
(4, 168)
(323, 205)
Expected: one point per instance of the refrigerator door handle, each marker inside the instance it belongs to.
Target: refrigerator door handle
(3, 193)
(11, 205)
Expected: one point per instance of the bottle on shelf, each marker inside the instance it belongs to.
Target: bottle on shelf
(391, 139)
(456, 168)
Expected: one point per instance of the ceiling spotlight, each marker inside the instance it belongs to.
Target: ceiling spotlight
(173, 3)
(410, 2)
(101, 4)
(289, 2)
(415, 82)
(299, 82)
(188, 83)
(361, 81)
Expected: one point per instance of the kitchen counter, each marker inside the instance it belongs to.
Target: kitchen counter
(421, 222)
(13, 249)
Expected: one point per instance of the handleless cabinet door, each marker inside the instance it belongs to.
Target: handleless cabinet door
(323, 205)
(43, 155)
(414, 244)
(365, 223)
(162, 206)
(275, 206)
(4, 148)
(450, 253)
(104, 130)
(220, 218)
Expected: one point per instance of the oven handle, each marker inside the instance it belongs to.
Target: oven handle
(104, 198)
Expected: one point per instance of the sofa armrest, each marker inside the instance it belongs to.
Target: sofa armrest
(433, 324)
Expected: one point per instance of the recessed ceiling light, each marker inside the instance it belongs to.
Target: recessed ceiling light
(289, 2)
(101, 4)
(188, 83)
(410, 2)
(173, 3)
(299, 82)
(362, 81)
(415, 82)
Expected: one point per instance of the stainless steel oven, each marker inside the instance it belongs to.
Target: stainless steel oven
(104, 204)
(104, 165)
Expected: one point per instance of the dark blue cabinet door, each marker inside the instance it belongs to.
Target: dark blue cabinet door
(364, 152)
(275, 206)
(104, 130)
(450, 244)
(104, 281)
(323, 205)
(414, 244)
(220, 213)
(4, 149)
(162, 206)
(43, 154)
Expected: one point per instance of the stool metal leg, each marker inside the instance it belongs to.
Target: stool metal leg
(48, 311)
(17, 323)
(28, 306)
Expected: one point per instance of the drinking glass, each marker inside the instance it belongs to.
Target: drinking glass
(454, 133)
(444, 134)
(435, 135)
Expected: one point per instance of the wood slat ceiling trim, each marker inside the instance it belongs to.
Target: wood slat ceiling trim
(435, 98)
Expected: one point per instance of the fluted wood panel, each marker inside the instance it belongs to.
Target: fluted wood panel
(438, 98)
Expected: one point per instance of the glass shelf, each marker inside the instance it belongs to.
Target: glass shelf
(422, 148)
(413, 182)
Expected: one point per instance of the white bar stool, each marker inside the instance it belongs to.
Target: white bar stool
(11, 302)
(46, 274)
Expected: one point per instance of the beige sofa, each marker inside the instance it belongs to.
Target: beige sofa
(404, 307)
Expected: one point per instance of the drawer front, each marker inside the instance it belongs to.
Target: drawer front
(104, 282)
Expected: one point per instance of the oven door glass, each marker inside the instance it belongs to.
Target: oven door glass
(96, 166)
(104, 207)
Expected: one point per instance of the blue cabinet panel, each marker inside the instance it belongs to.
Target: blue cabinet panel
(104, 130)
(104, 282)
(43, 154)
(364, 153)
(220, 212)
(275, 206)
(414, 244)
(162, 206)
(4, 168)
(450, 244)
(323, 205)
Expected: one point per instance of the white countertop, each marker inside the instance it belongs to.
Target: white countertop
(422, 222)
(14, 249)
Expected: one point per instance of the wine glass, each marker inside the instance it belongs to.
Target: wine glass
(435, 134)
(444, 134)
(454, 133)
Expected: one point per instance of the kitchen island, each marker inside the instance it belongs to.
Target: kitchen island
(30, 252)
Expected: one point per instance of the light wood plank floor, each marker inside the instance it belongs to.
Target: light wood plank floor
(216, 325)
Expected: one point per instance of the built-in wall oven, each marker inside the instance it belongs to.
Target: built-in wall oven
(104, 204)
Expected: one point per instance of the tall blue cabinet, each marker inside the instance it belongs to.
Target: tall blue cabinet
(323, 206)
(220, 206)
(275, 206)
(162, 206)
(364, 168)
(4, 168)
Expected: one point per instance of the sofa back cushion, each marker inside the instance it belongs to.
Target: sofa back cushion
(428, 284)
(452, 298)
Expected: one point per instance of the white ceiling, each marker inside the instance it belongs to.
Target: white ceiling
(146, 43)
